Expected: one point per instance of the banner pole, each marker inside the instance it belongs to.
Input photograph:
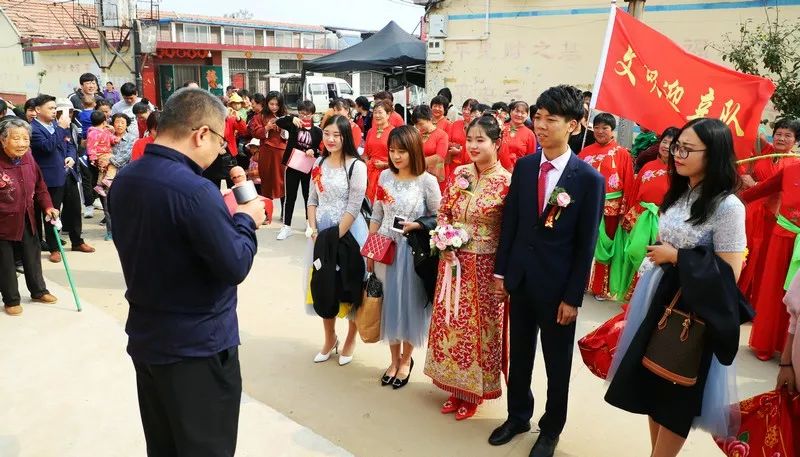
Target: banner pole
(767, 156)
(604, 55)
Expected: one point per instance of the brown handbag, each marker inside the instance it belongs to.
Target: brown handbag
(676, 346)
(368, 315)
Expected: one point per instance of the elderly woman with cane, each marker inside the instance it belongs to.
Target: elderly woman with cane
(21, 184)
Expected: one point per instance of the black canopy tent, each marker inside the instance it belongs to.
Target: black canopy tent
(391, 51)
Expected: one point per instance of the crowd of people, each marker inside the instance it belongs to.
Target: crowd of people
(545, 205)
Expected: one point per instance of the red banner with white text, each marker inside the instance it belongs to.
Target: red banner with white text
(647, 78)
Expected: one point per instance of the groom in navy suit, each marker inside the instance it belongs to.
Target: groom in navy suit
(547, 241)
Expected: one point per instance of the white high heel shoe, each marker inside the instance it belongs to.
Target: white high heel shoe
(320, 357)
(345, 359)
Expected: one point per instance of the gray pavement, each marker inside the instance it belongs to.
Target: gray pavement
(69, 388)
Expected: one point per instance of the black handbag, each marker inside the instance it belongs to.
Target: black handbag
(676, 346)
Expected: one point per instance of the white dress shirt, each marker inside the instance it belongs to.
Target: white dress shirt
(559, 164)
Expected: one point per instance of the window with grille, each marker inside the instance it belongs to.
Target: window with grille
(283, 39)
(308, 41)
(185, 73)
(371, 82)
(244, 37)
(290, 66)
(27, 58)
(270, 38)
(194, 33)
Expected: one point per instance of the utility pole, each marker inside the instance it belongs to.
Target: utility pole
(625, 130)
(137, 56)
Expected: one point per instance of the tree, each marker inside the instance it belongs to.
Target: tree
(770, 49)
(241, 14)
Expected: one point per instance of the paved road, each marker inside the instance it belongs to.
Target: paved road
(70, 386)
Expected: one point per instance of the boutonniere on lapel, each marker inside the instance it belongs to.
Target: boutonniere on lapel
(463, 183)
(559, 200)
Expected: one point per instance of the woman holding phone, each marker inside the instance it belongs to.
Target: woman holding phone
(405, 193)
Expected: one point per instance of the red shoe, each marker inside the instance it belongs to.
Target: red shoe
(466, 410)
(764, 356)
(451, 405)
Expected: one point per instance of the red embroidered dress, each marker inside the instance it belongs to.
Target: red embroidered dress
(772, 321)
(466, 356)
(760, 222)
(614, 163)
(376, 148)
(516, 145)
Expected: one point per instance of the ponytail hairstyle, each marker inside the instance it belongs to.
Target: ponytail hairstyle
(490, 126)
(348, 146)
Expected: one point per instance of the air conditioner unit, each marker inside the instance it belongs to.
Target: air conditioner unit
(437, 26)
(435, 50)
(421, 2)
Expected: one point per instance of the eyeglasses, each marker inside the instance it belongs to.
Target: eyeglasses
(223, 145)
(681, 152)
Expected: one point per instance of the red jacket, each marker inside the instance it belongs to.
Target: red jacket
(21, 184)
(234, 127)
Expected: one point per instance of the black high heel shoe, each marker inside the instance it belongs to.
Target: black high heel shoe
(386, 379)
(398, 383)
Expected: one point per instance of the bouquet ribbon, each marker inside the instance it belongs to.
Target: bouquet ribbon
(447, 294)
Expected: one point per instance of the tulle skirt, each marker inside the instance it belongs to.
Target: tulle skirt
(405, 316)
(717, 416)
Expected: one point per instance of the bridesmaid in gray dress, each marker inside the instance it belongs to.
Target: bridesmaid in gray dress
(406, 191)
(335, 199)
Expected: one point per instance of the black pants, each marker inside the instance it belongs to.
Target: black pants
(71, 213)
(291, 180)
(29, 249)
(191, 408)
(527, 318)
(89, 177)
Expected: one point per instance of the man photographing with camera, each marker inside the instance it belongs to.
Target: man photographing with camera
(183, 255)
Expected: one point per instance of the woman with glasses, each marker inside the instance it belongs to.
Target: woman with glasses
(273, 145)
(699, 253)
(641, 220)
(779, 264)
(304, 138)
(761, 213)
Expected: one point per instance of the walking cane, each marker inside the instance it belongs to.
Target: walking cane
(66, 267)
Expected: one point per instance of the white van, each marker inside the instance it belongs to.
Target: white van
(319, 89)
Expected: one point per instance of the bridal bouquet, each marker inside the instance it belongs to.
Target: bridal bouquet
(449, 238)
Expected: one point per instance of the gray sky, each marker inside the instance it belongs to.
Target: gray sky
(360, 14)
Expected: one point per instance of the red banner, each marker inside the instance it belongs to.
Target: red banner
(647, 78)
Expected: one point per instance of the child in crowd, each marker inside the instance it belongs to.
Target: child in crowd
(89, 105)
(99, 141)
(141, 110)
(252, 170)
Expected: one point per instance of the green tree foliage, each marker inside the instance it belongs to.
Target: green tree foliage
(240, 14)
(770, 49)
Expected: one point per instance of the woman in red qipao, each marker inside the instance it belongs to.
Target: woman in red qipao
(761, 213)
(376, 147)
(439, 109)
(273, 145)
(614, 163)
(466, 352)
(518, 140)
(435, 143)
(458, 136)
(782, 256)
(641, 219)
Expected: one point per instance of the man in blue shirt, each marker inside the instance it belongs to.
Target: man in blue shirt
(183, 255)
